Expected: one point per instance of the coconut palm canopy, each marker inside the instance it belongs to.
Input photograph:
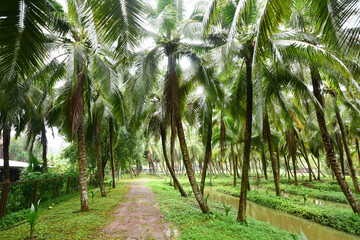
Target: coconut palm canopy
(213, 87)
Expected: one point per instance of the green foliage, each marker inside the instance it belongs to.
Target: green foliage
(93, 194)
(324, 191)
(297, 237)
(33, 215)
(127, 147)
(15, 217)
(207, 197)
(227, 209)
(304, 197)
(17, 150)
(20, 195)
(34, 164)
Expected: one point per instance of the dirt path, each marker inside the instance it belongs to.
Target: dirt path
(138, 217)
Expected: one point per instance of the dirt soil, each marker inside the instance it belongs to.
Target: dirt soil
(138, 217)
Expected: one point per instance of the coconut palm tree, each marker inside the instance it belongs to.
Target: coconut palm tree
(318, 57)
(23, 51)
(269, 14)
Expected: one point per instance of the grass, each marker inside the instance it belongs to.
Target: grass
(185, 214)
(65, 221)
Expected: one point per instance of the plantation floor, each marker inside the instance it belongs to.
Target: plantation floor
(138, 217)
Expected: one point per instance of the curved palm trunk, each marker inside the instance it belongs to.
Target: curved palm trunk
(346, 146)
(6, 146)
(208, 153)
(44, 150)
(112, 154)
(82, 167)
(247, 144)
(99, 163)
(189, 170)
(341, 152)
(330, 154)
(172, 96)
(172, 173)
(271, 151)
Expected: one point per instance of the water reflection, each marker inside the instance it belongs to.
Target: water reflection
(281, 220)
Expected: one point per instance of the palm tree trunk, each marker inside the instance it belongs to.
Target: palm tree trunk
(208, 153)
(99, 162)
(305, 155)
(112, 153)
(267, 134)
(172, 144)
(172, 85)
(292, 150)
(278, 161)
(6, 147)
(346, 146)
(190, 172)
(82, 168)
(341, 152)
(287, 167)
(234, 164)
(263, 162)
(171, 170)
(130, 169)
(330, 154)
(44, 149)
(247, 145)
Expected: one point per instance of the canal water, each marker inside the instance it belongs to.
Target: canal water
(281, 220)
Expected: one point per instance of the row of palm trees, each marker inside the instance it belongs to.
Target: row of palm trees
(253, 62)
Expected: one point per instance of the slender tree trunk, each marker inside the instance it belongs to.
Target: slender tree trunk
(130, 168)
(330, 154)
(263, 162)
(304, 154)
(172, 145)
(208, 153)
(211, 173)
(172, 173)
(247, 147)
(346, 146)
(318, 168)
(99, 163)
(278, 161)
(341, 152)
(234, 168)
(287, 165)
(112, 153)
(292, 150)
(82, 168)
(44, 149)
(267, 133)
(6, 147)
